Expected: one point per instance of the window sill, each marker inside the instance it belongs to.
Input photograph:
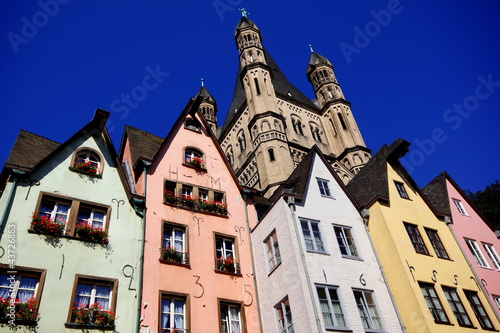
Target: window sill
(90, 326)
(31, 231)
(228, 273)
(352, 258)
(318, 252)
(195, 209)
(274, 268)
(174, 263)
(339, 329)
(18, 321)
(195, 167)
(91, 174)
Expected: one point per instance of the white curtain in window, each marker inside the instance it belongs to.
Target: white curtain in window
(102, 296)
(178, 314)
(165, 313)
(83, 294)
(4, 287)
(26, 289)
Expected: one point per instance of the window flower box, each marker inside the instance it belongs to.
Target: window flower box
(195, 203)
(87, 168)
(95, 235)
(25, 313)
(44, 225)
(171, 254)
(228, 265)
(93, 315)
(196, 162)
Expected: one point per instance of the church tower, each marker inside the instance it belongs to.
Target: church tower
(208, 107)
(345, 139)
(271, 125)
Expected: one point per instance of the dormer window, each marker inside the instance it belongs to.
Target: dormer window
(194, 157)
(192, 124)
(87, 162)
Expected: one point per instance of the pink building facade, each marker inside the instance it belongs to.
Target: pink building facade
(474, 234)
(197, 270)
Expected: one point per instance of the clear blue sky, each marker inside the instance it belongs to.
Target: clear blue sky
(427, 72)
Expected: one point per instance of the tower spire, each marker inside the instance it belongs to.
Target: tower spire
(244, 13)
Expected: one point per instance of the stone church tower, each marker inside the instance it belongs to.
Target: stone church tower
(270, 125)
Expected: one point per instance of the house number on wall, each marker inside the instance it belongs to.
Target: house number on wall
(249, 293)
(202, 288)
(131, 275)
(434, 275)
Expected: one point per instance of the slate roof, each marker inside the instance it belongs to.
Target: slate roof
(29, 149)
(437, 194)
(142, 144)
(203, 92)
(316, 59)
(371, 182)
(282, 87)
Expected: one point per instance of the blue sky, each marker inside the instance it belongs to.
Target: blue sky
(426, 72)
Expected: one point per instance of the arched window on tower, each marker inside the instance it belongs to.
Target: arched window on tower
(316, 134)
(241, 141)
(341, 119)
(297, 126)
(230, 156)
(257, 88)
(271, 154)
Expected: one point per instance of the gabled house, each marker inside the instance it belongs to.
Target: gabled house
(71, 241)
(198, 274)
(432, 283)
(473, 232)
(315, 265)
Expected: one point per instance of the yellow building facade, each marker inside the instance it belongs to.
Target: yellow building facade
(432, 284)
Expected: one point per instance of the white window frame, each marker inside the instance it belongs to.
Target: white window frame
(272, 250)
(324, 188)
(347, 240)
(334, 315)
(173, 241)
(226, 320)
(460, 207)
(92, 295)
(88, 156)
(90, 221)
(492, 253)
(371, 310)
(14, 288)
(172, 314)
(284, 316)
(53, 214)
(476, 253)
(317, 245)
(497, 300)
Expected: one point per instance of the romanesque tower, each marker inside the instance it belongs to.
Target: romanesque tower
(271, 125)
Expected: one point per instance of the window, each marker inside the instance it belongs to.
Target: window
(342, 123)
(324, 189)
(316, 134)
(457, 306)
(401, 190)
(174, 247)
(297, 126)
(284, 317)
(271, 155)
(478, 309)
(346, 241)
(173, 314)
(497, 301)
(93, 301)
(436, 243)
(476, 253)
(193, 124)
(87, 161)
(433, 303)
(272, 251)
(241, 142)
(24, 286)
(416, 239)
(194, 157)
(225, 255)
(459, 206)
(490, 251)
(312, 235)
(368, 310)
(229, 155)
(331, 307)
(71, 217)
(230, 318)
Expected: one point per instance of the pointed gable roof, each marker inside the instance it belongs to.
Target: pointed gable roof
(437, 193)
(296, 183)
(203, 92)
(28, 150)
(143, 145)
(371, 182)
(317, 59)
